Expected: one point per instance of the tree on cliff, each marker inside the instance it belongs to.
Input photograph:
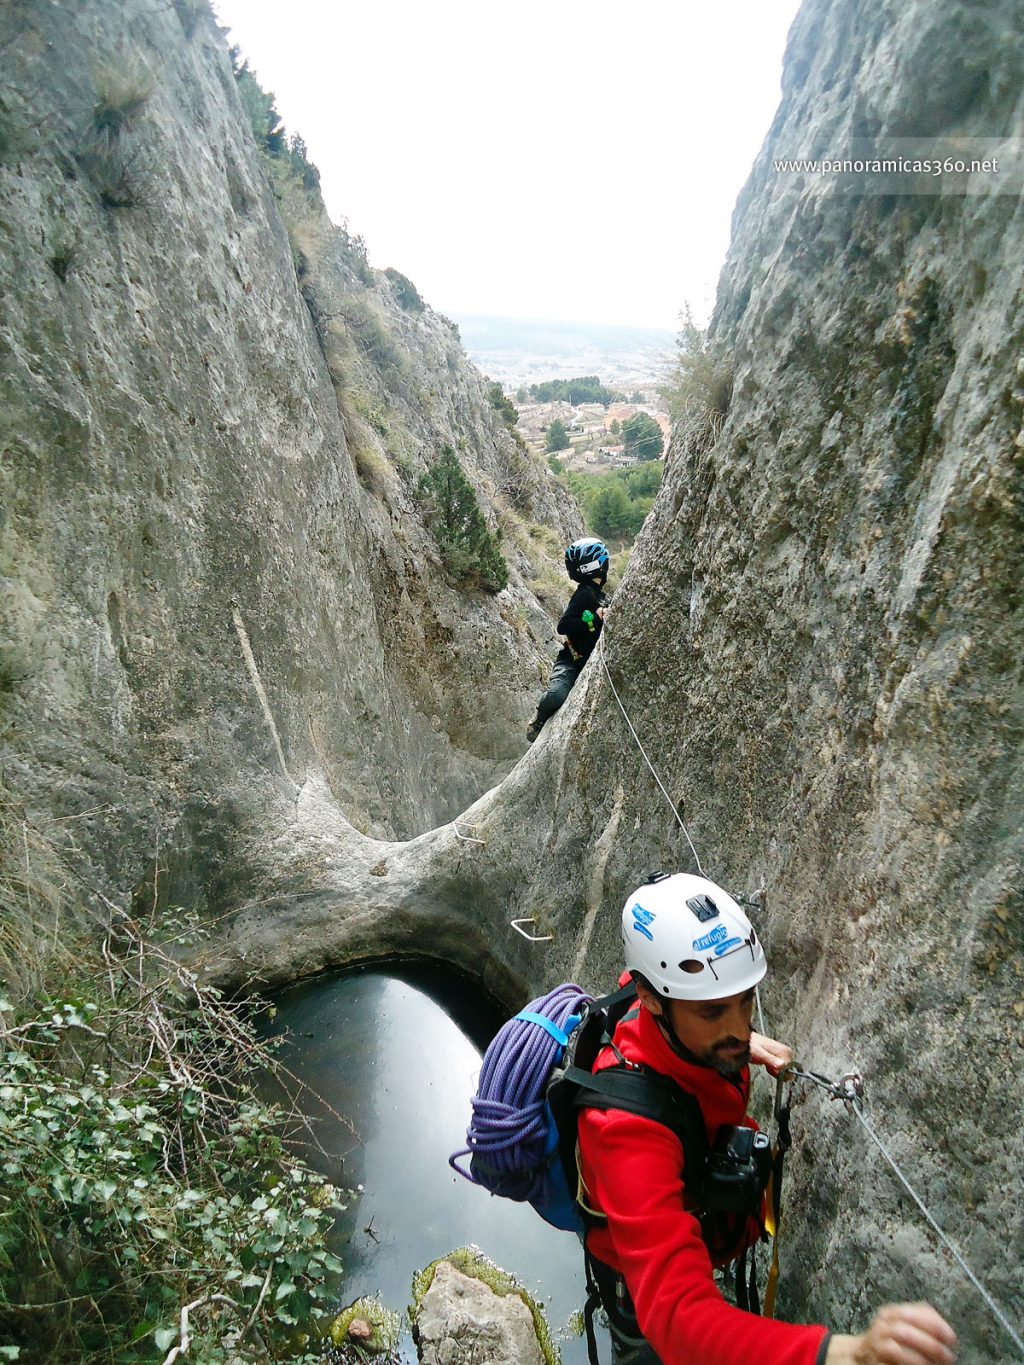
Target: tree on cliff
(469, 550)
(557, 437)
(267, 127)
(497, 399)
(641, 437)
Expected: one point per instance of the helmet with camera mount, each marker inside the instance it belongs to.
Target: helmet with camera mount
(690, 940)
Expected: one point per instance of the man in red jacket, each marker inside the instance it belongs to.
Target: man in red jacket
(696, 961)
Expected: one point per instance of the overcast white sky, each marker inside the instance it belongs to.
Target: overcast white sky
(569, 160)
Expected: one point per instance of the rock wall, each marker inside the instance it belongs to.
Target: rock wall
(818, 642)
(216, 574)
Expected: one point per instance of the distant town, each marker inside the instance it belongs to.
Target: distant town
(629, 362)
(594, 444)
(517, 353)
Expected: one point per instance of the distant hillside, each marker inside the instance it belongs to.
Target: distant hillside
(517, 352)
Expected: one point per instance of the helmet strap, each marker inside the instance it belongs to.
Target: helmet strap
(664, 1023)
(668, 1031)
(675, 1043)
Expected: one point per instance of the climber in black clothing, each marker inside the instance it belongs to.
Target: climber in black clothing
(586, 562)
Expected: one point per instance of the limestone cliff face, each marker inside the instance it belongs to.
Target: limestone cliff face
(818, 642)
(211, 439)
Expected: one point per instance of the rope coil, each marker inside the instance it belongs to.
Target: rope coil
(509, 1136)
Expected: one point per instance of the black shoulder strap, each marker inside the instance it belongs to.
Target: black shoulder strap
(614, 1008)
(652, 1096)
(574, 1085)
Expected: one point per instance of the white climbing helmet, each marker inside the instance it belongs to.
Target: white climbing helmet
(690, 939)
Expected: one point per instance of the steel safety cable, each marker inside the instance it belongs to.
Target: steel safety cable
(654, 774)
(643, 752)
(853, 1102)
(849, 1089)
(954, 1250)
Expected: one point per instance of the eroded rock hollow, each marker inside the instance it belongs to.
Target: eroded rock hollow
(221, 626)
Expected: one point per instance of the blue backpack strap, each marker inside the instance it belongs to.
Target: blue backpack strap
(548, 1025)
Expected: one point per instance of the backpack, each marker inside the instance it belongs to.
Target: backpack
(536, 1077)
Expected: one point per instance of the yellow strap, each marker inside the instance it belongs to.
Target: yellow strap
(773, 1279)
(771, 1224)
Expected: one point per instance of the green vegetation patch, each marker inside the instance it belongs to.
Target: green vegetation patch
(503, 406)
(615, 505)
(698, 390)
(268, 130)
(408, 296)
(587, 389)
(121, 169)
(384, 1330)
(471, 1261)
(557, 437)
(468, 548)
(148, 1199)
(642, 438)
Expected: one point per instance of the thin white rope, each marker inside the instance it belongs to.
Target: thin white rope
(954, 1250)
(643, 751)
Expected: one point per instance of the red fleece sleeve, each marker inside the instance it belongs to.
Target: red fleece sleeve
(632, 1167)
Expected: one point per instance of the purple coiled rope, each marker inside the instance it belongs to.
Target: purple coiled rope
(508, 1135)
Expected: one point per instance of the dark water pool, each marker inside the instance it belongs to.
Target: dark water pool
(398, 1055)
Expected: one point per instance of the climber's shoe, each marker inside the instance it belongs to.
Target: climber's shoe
(533, 730)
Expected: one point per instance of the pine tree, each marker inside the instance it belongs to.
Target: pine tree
(469, 550)
(558, 437)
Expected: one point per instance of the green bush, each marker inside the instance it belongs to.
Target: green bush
(641, 437)
(699, 387)
(142, 1175)
(405, 291)
(452, 512)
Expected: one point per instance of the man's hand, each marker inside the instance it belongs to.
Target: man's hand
(766, 1052)
(900, 1334)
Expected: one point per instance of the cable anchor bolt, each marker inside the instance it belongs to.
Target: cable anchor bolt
(849, 1087)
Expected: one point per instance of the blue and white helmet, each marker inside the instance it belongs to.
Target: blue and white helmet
(586, 558)
(690, 939)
